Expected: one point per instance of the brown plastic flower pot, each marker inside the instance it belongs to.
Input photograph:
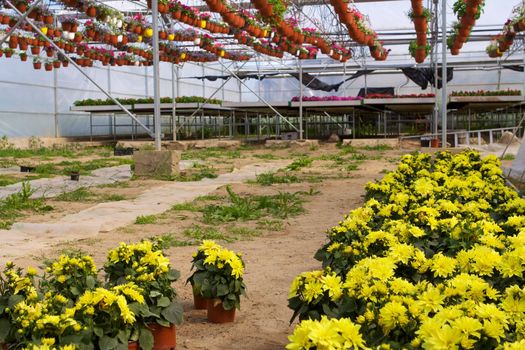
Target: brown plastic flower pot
(164, 338)
(75, 176)
(217, 314)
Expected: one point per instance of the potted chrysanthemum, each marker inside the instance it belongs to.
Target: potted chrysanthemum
(145, 265)
(110, 316)
(219, 278)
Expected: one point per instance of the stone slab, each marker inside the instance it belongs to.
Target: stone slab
(394, 143)
(156, 163)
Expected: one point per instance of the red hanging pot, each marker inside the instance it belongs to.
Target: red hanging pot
(421, 54)
(217, 314)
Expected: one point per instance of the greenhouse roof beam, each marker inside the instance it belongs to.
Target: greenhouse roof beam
(247, 4)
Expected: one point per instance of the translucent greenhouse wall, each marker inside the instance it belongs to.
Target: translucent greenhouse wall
(37, 103)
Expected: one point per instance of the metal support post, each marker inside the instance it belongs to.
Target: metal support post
(174, 76)
(55, 98)
(444, 79)
(156, 74)
(301, 90)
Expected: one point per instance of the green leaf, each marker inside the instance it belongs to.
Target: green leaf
(14, 299)
(107, 343)
(74, 290)
(173, 275)
(222, 289)
(173, 313)
(91, 282)
(123, 336)
(146, 339)
(99, 332)
(5, 326)
(122, 346)
(155, 293)
(163, 302)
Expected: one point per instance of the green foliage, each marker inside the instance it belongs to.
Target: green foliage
(267, 179)
(85, 168)
(186, 206)
(133, 101)
(145, 219)
(302, 162)
(168, 240)
(200, 233)
(15, 205)
(281, 205)
(81, 194)
(211, 152)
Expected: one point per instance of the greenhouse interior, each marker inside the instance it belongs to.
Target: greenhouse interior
(262, 174)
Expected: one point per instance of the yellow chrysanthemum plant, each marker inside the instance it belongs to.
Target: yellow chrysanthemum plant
(109, 316)
(218, 274)
(70, 275)
(315, 293)
(434, 259)
(15, 287)
(145, 265)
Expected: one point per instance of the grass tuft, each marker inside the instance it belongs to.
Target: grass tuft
(145, 219)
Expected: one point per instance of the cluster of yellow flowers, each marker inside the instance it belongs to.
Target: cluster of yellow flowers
(434, 259)
(220, 257)
(147, 262)
(326, 333)
(111, 302)
(67, 267)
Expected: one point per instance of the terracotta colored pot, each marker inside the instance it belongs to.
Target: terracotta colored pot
(435, 143)
(13, 42)
(164, 338)
(48, 67)
(217, 314)
(417, 6)
(48, 19)
(420, 55)
(133, 345)
(199, 302)
(21, 7)
(91, 11)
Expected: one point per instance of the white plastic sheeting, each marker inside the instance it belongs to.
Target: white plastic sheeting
(37, 103)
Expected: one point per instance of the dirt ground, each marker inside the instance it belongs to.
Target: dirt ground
(272, 259)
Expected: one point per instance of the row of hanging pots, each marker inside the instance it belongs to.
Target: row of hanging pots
(421, 27)
(350, 19)
(465, 25)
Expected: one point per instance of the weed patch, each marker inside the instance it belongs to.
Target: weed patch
(145, 219)
(14, 206)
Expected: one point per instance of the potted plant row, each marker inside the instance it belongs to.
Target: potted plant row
(135, 307)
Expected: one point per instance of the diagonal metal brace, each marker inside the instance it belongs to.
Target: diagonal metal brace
(256, 94)
(20, 21)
